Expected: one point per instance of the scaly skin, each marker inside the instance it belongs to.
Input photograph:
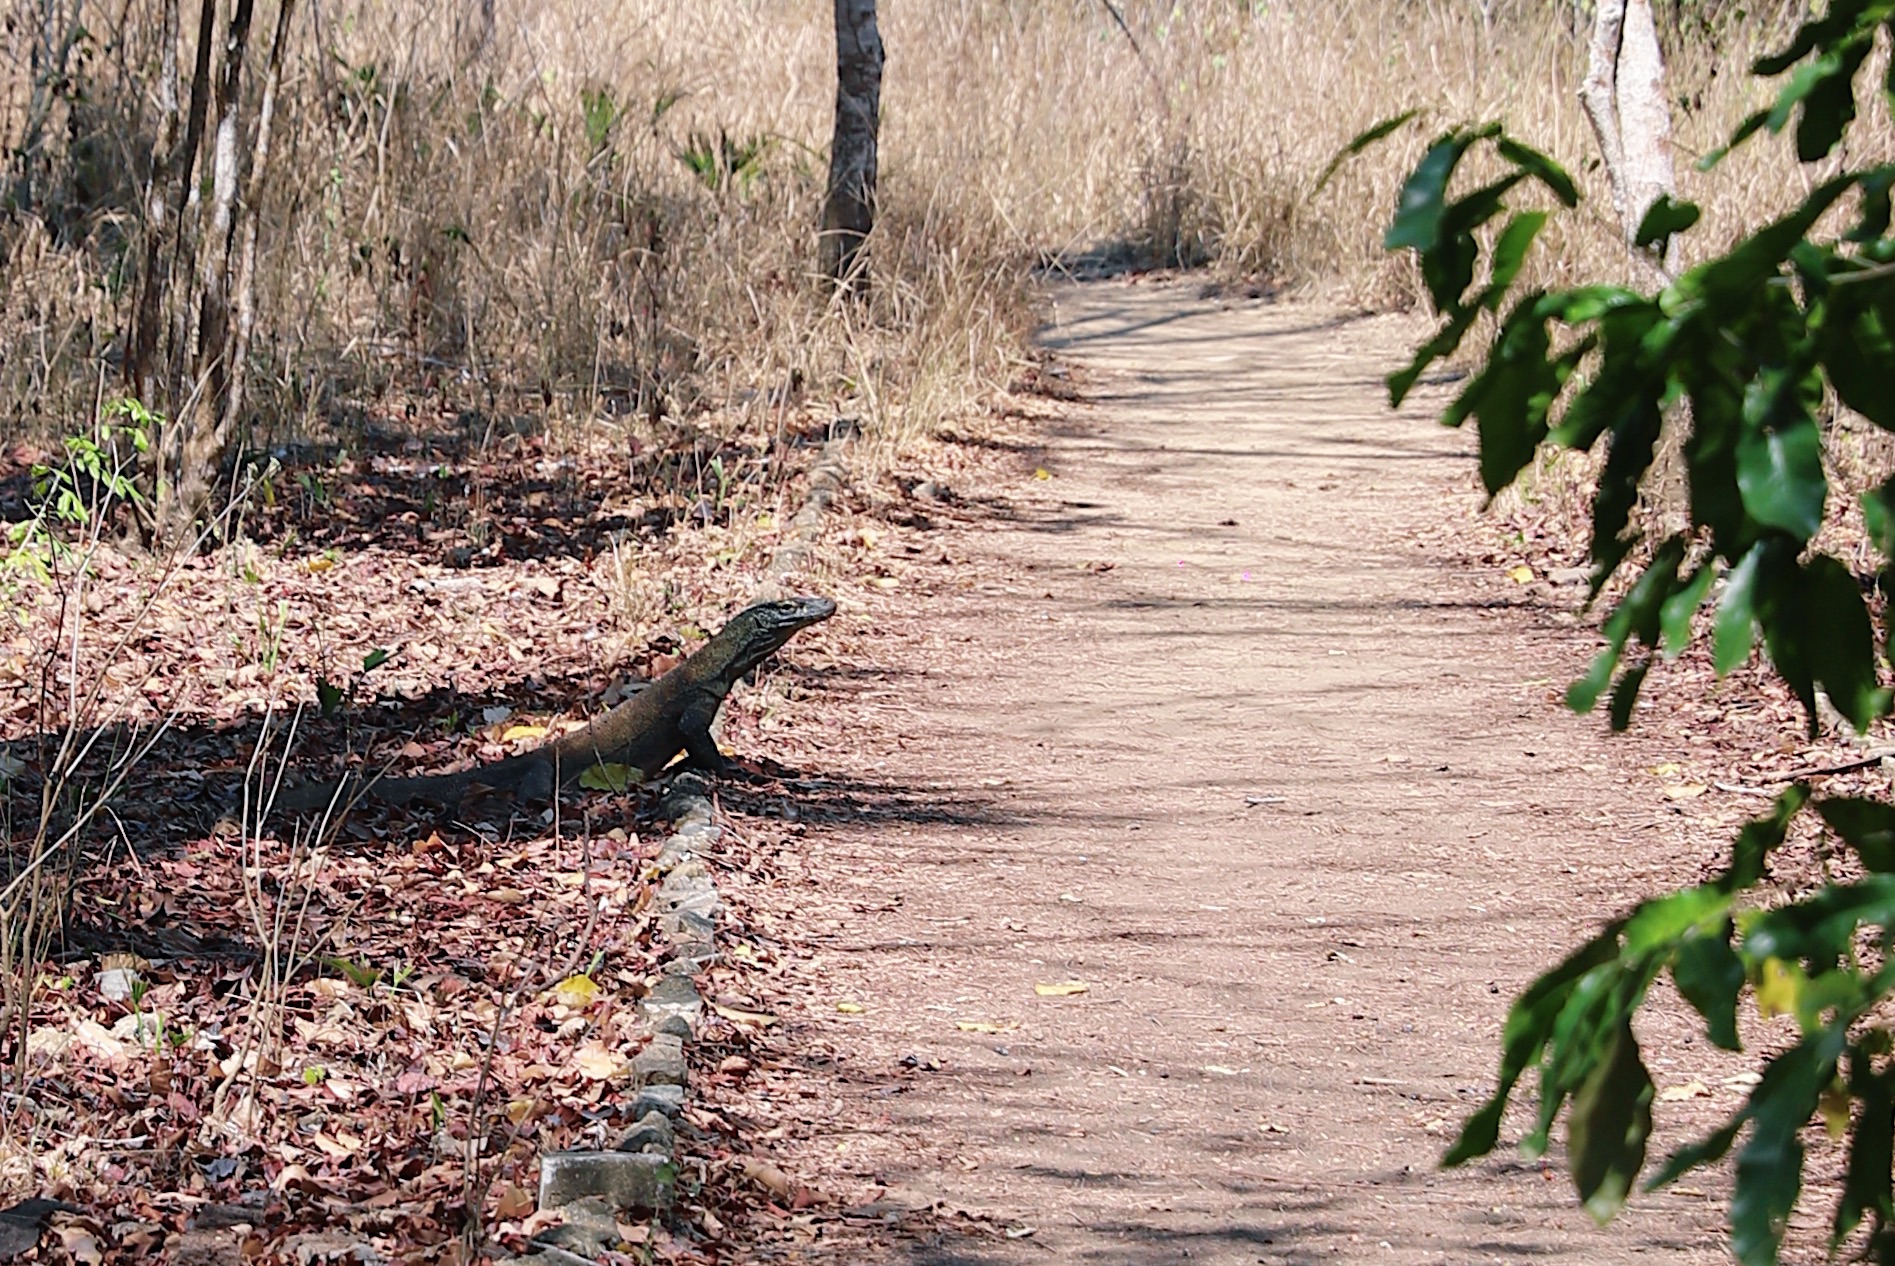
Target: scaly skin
(644, 733)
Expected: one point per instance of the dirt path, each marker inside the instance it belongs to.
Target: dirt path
(1212, 734)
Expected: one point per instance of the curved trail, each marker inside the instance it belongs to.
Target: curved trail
(1213, 735)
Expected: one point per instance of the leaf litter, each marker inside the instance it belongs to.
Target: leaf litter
(241, 1045)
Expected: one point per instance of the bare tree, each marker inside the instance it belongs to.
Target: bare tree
(849, 210)
(196, 302)
(57, 29)
(1624, 98)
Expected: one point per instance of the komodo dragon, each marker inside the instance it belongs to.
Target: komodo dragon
(673, 714)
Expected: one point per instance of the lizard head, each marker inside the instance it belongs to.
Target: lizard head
(763, 627)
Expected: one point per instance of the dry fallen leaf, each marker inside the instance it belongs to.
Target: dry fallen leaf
(1061, 988)
(338, 1145)
(513, 732)
(750, 1019)
(766, 1175)
(1685, 791)
(1686, 1090)
(849, 1008)
(81, 1245)
(596, 1063)
(511, 1202)
(1520, 575)
(986, 1026)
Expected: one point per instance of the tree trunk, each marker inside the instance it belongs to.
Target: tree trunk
(195, 309)
(244, 297)
(1624, 99)
(849, 211)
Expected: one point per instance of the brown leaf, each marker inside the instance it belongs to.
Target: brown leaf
(766, 1175)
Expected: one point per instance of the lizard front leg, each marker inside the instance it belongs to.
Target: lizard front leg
(694, 726)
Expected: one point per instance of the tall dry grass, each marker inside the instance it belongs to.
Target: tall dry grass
(498, 215)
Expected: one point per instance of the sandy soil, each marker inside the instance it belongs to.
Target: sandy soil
(1200, 722)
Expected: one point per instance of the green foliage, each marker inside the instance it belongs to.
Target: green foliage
(1747, 347)
(95, 470)
(724, 162)
(601, 113)
(98, 470)
(610, 776)
(331, 696)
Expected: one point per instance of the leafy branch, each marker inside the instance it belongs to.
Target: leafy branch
(1746, 350)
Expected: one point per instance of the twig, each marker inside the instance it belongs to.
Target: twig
(1822, 771)
(1138, 51)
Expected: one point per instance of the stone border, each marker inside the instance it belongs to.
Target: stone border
(588, 1186)
(825, 481)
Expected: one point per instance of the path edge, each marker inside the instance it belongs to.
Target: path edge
(589, 1186)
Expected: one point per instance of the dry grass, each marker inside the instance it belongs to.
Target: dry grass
(490, 222)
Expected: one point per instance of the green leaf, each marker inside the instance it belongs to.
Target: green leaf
(1635, 431)
(1529, 1024)
(1625, 695)
(1706, 1151)
(609, 776)
(1421, 203)
(1637, 615)
(1658, 925)
(1728, 283)
(359, 973)
(1735, 632)
(1758, 839)
(1550, 173)
(1866, 1181)
(1878, 514)
(1447, 268)
(1510, 249)
(1867, 827)
(1663, 218)
(1834, 637)
(328, 696)
(1583, 695)
(1674, 617)
(1359, 142)
(1710, 976)
(1752, 124)
(1856, 349)
(1805, 81)
(1830, 106)
(1513, 395)
(375, 659)
(1820, 928)
(1610, 1119)
(1780, 469)
(1625, 382)
(1770, 1164)
(1445, 341)
(1595, 1007)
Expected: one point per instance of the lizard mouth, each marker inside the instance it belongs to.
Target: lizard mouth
(797, 613)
